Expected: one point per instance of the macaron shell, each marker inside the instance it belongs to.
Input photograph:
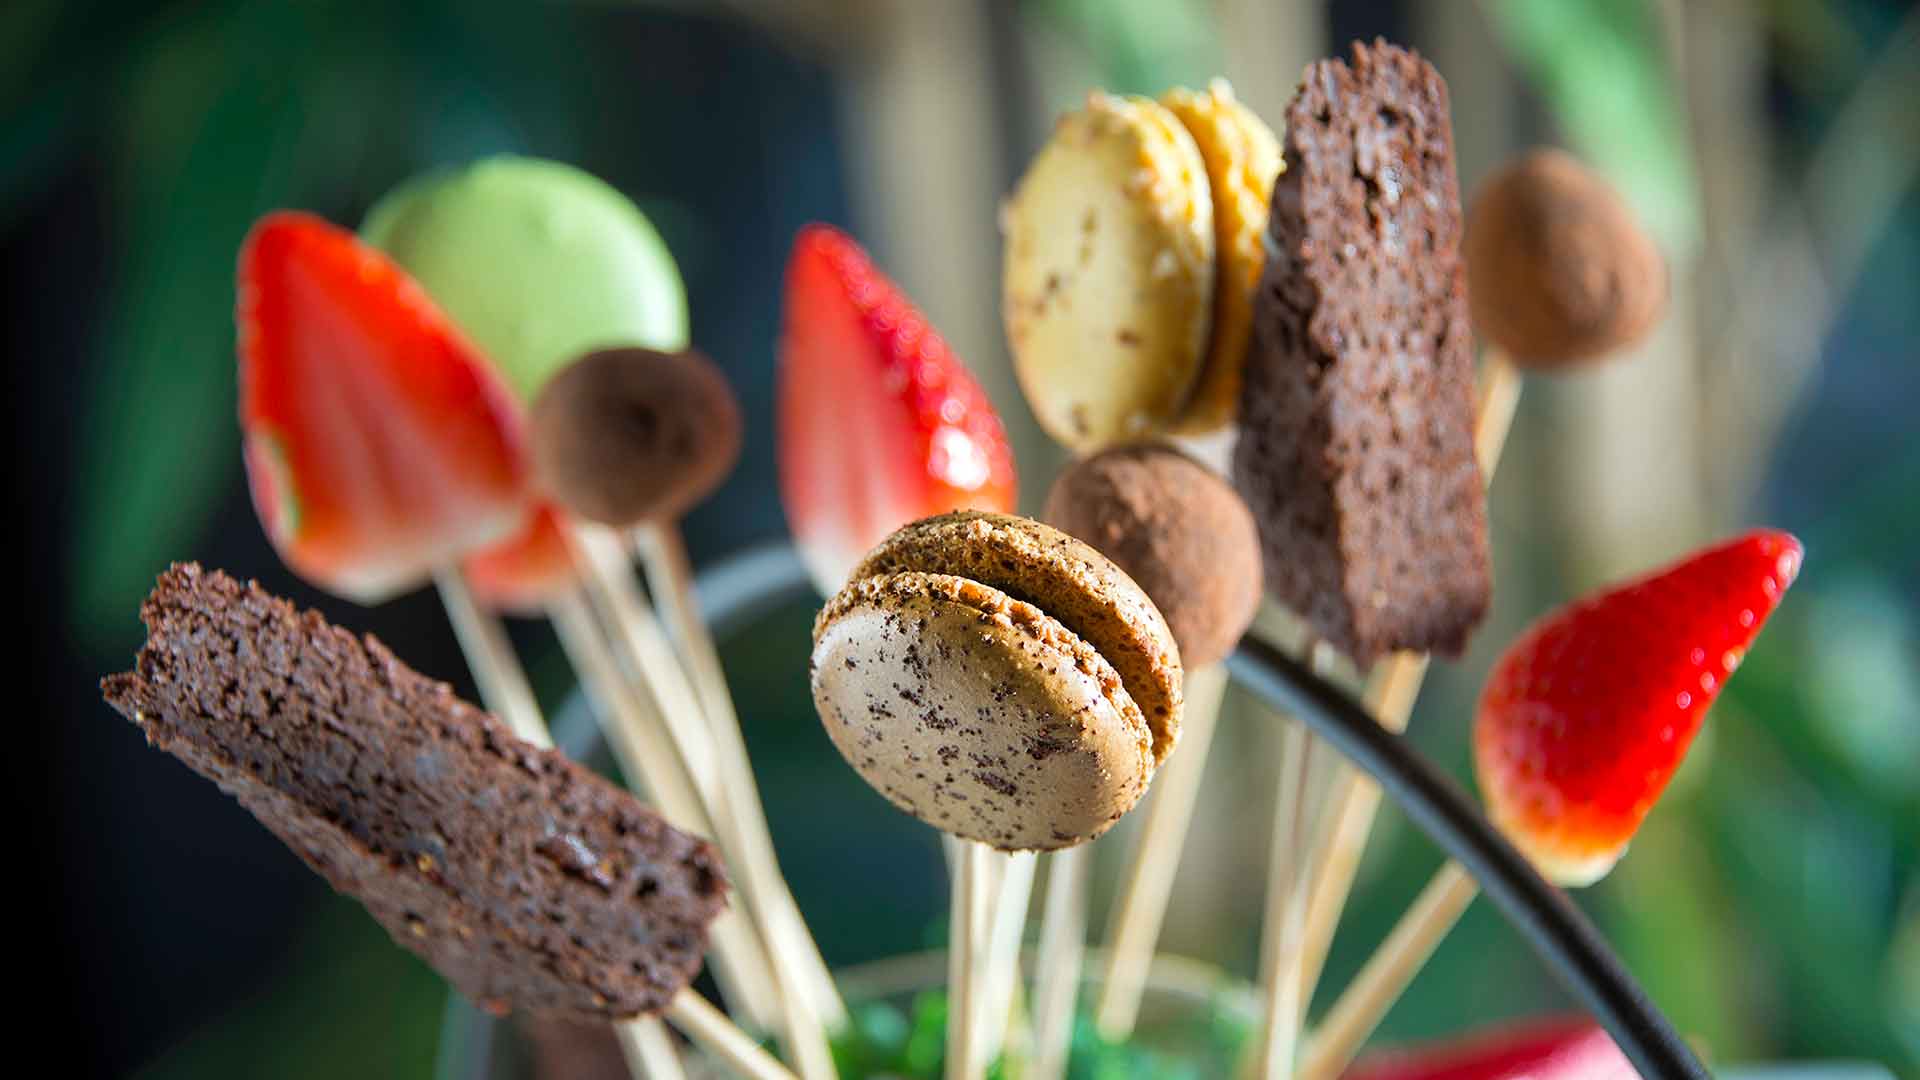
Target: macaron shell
(1109, 273)
(1064, 577)
(977, 713)
(1243, 158)
(538, 262)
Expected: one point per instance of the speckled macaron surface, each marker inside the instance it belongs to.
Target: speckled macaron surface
(977, 713)
(1243, 157)
(1108, 277)
(1064, 577)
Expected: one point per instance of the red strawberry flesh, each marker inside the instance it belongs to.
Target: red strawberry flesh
(379, 442)
(1568, 1048)
(1587, 715)
(521, 575)
(880, 424)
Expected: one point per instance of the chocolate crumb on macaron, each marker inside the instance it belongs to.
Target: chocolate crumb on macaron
(526, 880)
(629, 435)
(1179, 530)
(1356, 451)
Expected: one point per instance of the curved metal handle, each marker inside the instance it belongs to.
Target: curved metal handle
(1561, 933)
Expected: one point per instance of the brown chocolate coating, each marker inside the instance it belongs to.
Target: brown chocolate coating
(629, 435)
(1559, 269)
(1178, 530)
(523, 878)
(1356, 410)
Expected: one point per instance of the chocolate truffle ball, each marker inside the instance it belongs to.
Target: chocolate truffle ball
(1180, 531)
(1558, 269)
(629, 435)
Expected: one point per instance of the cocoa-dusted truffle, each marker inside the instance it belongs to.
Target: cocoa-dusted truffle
(628, 435)
(1177, 529)
(1559, 269)
(1356, 450)
(523, 878)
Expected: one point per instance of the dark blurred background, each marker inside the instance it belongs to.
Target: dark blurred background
(1772, 905)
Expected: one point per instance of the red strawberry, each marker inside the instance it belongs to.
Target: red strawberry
(1567, 1048)
(379, 442)
(1586, 716)
(520, 575)
(879, 423)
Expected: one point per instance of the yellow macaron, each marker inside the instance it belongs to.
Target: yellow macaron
(1109, 273)
(1243, 158)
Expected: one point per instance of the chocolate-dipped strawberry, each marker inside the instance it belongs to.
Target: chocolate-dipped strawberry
(1559, 270)
(879, 423)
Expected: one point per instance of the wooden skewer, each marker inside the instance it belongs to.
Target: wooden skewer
(609, 578)
(1280, 1031)
(710, 1028)
(670, 574)
(483, 641)
(1366, 1000)
(740, 962)
(1063, 943)
(505, 692)
(649, 1050)
(1000, 967)
(1134, 931)
(1391, 692)
(965, 935)
(1353, 801)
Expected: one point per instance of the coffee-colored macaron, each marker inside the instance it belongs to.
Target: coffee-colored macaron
(1108, 278)
(1558, 269)
(629, 435)
(1243, 158)
(1179, 530)
(998, 679)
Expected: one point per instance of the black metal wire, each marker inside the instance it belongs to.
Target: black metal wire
(1563, 936)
